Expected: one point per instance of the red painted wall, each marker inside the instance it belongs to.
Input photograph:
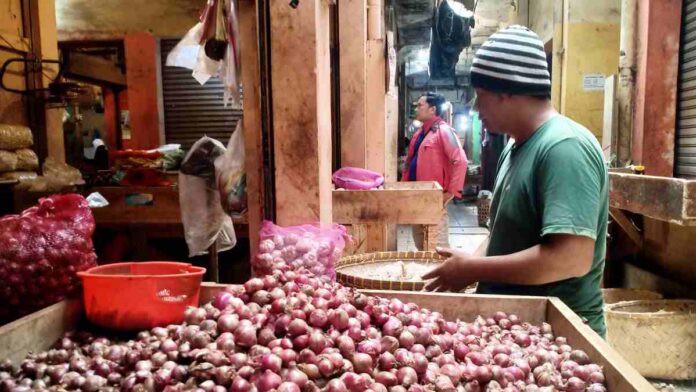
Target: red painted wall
(141, 78)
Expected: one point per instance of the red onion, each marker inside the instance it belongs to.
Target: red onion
(268, 381)
(451, 371)
(370, 347)
(336, 385)
(388, 379)
(346, 345)
(297, 327)
(326, 367)
(317, 342)
(339, 319)
(318, 318)
(386, 361)
(478, 358)
(580, 357)
(420, 363)
(392, 327)
(403, 357)
(406, 339)
(245, 336)
(406, 376)
(297, 377)
(362, 363)
(253, 285)
(575, 384)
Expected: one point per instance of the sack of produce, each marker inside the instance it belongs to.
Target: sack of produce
(357, 178)
(205, 222)
(41, 250)
(14, 137)
(313, 247)
(27, 159)
(232, 175)
(8, 161)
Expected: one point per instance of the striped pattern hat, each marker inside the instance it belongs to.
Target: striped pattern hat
(512, 61)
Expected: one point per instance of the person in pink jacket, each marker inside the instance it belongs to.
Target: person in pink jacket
(435, 154)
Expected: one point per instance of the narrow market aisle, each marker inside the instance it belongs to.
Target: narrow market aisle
(464, 232)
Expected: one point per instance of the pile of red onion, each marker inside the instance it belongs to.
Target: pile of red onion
(41, 251)
(292, 332)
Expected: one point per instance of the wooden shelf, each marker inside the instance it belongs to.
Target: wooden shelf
(663, 198)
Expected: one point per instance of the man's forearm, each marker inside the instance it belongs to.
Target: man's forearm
(537, 265)
(481, 250)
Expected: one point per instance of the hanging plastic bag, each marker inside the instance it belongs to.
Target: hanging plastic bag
(357, 178)
(204, 220)
(312, 247)
(232, 175)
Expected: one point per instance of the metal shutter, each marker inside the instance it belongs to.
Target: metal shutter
(686, 120)
(192, 111)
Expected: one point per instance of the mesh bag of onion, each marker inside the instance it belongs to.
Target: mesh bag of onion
(41, 250)
(313, 247)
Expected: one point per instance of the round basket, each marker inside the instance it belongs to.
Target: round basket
(657, 337)
(614, 295)
(383, 257)
(483, 207)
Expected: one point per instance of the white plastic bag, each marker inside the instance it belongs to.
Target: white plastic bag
(202, 215)
(232, 175)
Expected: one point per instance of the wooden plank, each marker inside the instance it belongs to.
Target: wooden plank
(663, 198)
(38, 331)
(94, 69)
(301, 111)
(620, 376)
(393, 205)
(622, 220)
(352, 32)
(251, 122)
(142, 57)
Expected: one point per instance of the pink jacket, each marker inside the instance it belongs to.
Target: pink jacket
(440, 158)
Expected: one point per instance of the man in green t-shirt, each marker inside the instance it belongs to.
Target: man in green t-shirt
(548, 218)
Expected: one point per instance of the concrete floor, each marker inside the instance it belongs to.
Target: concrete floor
(464, 232)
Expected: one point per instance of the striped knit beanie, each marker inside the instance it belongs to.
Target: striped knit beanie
(512, 61)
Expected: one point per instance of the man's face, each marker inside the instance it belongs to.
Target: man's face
(492, 110)
(424, 111)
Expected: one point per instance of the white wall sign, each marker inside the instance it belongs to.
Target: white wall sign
(593, 82)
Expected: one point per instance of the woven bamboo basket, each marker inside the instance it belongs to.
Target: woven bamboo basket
(614, 295)
(358, 282)
(483, 208)
(658, 337)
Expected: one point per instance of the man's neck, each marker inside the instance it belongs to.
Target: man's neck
(530, 121)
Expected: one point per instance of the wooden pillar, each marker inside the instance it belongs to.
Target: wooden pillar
(656, 85)
(352, 27)
(301, 89)
(376, 114)
(251, 117)
(141, 78)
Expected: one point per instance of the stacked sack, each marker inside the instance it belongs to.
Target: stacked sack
(17, 160)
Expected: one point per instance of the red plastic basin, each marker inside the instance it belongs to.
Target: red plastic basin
(140, 295)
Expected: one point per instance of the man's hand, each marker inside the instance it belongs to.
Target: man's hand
(451, 275)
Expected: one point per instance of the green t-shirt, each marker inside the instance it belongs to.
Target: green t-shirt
(554, 183)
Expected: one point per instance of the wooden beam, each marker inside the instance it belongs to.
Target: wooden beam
(662, 198)
(622, 220)
(656, 85)
(301, 98)
(251, 80)
(94, 69)
(352, 31)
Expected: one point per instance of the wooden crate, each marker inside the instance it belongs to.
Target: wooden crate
(371, 215)
(38, 331)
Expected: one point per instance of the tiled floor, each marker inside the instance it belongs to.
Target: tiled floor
(464, 232)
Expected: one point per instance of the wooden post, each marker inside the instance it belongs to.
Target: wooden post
(251, 123)
(141, 78)
(300, 76)
(352, 26)
(657, 54)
